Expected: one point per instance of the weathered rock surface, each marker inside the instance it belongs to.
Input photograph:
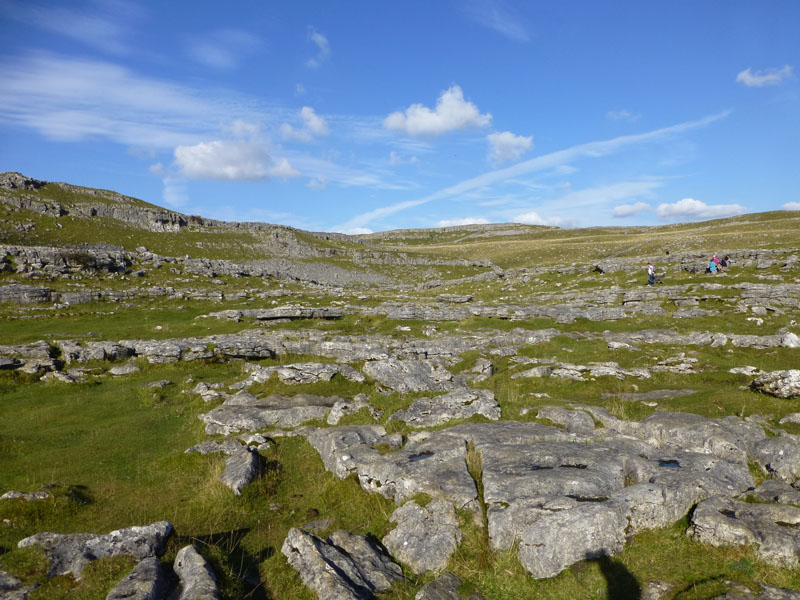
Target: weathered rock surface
(29, 496)
(407, 376)
(766, 592)
(300, 373)
(775, 491)
(576, 421)
(212, 446)
(197, 580)
(343, 567)
(69, 553)
(770, 528)
(444, 587)
(426, 536)
(241, 468)
(11, 588)
(459, 404)
(148, 580)
(783, 384)
(245, 412)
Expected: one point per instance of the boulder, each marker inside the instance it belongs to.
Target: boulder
(343, 567)
(444, 587)
(783, 384)
(425, 537)
(148, 580)
(408, 376)
(197, 581)
(69, 553)
(241, 468)
(770, 528)
(462, 403)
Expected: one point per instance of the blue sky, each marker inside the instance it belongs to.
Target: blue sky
(367, 116)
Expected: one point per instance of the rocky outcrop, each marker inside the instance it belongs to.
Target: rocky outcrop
(783, 384)
(343, 567)
(149, 580)
(69, 553)
(462, 403)
(425, 536)
(770, 528)
(242, 467)
(197, 580)
(245, 412)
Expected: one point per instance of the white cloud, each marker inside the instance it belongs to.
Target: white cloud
(765, 77)
(623, 115)
(222, 49)
(495, 15)
(690, 209)
(505, 146)
(628, 210)
(357, 231)
(283, 169)
(464, 221)
(791, 206)
(229, 159)
(533, 218)
(157, 169)
(313, 125)
(452, 113)
(242, 129)
(323, 48)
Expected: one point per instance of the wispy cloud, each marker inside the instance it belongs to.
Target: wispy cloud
(623, 115)
(766, 77)
(74, 99)
(690, 209)
(105, 25)
(791, 206)
(505, 147)
(323, 48)
(499, 17)
(452, 112)
(222, 49)
(540, 163)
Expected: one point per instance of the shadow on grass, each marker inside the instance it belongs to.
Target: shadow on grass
(620, 583)
(233, 566)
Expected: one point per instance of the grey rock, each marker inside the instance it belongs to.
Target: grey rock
(9, 362)
(766, 592)
(342, 449)
(244, 412)
(790, 418)
(407, 376)
(73, 351)
(69, 553)
(560, 539)
(342, 408)
(656, 590)
(301, 373)
(212, 446)
(482, 370)
(426, 536)
(459, 404)
(780, 456)
(343, 567)
(444, 587)
(11, 588)
(573, 420)
(775, 491)
(197, 579)
(540, 371)
(770, 528)
(148, 580)
(241, 468)
(783, 384)
(29, 496)
(127, 369)
(790, 340)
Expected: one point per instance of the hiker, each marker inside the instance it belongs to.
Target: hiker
(712, 267)
(725, 261)
(651, 274)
